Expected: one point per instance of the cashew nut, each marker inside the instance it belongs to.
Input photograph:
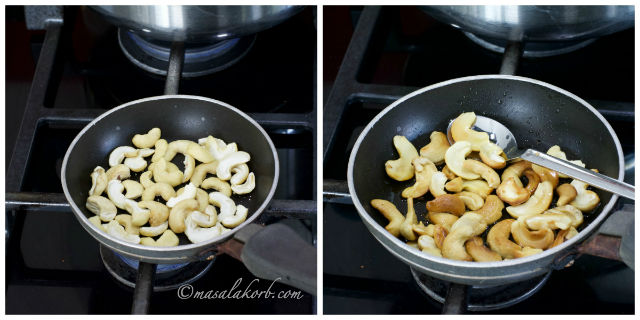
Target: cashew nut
(188, 147)
(203, 199)
(447, 203)
(447, 172)
(492, 155)
(461, 131)
(179, 212)
(540, 239)
(439, 234)
(189, 166)
(511, 193)
(114, 191)
(189, 193)
(564, 235)
(392, 214)
(219, 185)
(197, 234)
(428, 245)
(115, 229)
(471, 200)
(406, 229)
(570, 211)
(550, 221)
(201, 171)
(488, 174)
(147, 140)
(161, 148)
(134, 189)
(491, 211)
(479, 252)
(137, 163)
(226, 205)
(446, 220)
(118, 172)
(546, 175)
(126, 221)
(207, 219)
(467, 226)
(456, 184)
(533, 180)
(217, 147)
(421, 229)
(537, 203)
(566, 194)
(98, 181)
(102, 207)
(158, 189)
(424, 169)
(162, 174)
(167, 239)
(455, 157)
(515, 171)
(155, 230)
(401, 168)
(95, 220)
(586, 200)
(231, 160)
(117, 155)
(498, 240)
(438, 180)
(248, 185)
(145, 179)
(435, 150)
(232, 221)
(158, 212)
(240, 174)
(555, 151)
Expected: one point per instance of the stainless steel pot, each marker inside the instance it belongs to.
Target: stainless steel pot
(196, 23)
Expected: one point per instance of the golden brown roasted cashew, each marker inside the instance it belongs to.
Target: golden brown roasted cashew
(179, 212)
(392, 214)
(161, 173)
(438, 181)
(424, 169)
(449, 203)
(421, 229)
(533, 180)
(511, 193)
(461, 131)
(161, 148)
(546, 175)
(134, 189)
(471, 200)
(410, 219)
(435, 150)
(551, 221)
(498, 240)
(102, 207)
(570, 211)
(99, 181)
(586, 200)
(217, 184)
(537, 203)
(488, 174)
(145, 179)
(515, 171)
(555, 151)
(446, 220)
(455, 185)
(566, 193)
(401, 168)
(479, 187)
(118, 172)
(158, 189)
(428, 245)
(201, 171)
(468, 226)
(491, 211)
(540, 239)
(455, 157)
(159, 213)
(479, 252)
(147, 140)
(564, 235)
(447, 172)
(439, 234)
(492, 155)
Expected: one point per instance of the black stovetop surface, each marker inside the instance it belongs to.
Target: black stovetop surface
(360, 276)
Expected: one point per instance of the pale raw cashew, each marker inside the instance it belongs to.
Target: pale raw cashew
(158, 189)
(117, 155)
(246, 187)
(413, 244)
(134, 189)
(438, 180)
(201, 171)
(564, 235)
(455, 185)
(114, 191)
(424, 169)
(446, 220)
(217, 147)
(428, 245)
(455, 157)
(145, 179)
(546, 175)
(203, 199)
(179, 213)
(98, 181)
(161, 174)
(189, 166)
(240, 174)
(236, 219)
(461, 131)
(118, 172)
(188, 147)
(533, 180)
(515, 171)
(511, 193)
(218, 185)
(566, 194)
(488, 174)
(139, 216)
(167, 239)
(231, 160)
(197, 234)
(158, 212)
(479, 252)
(161, 148)
(137, 163)
(537, 203)
(95, 220)
(392, 214)
(189, 193)
(421, 229)
(102, 207)
(449, 203)
(435, 150)
(406, 229)
(447, 172)
(401, 168)
(555, 151)
(115, 229)
(492, 155)
(540, 239)
(586, 200)
(491, 211)
(126, 221)
(498, 240)
(471, 200)
(468, 226)
(147, 140)
(154, 231)
(550, 221)
(207, 219)
(570, 211)
(226, 205)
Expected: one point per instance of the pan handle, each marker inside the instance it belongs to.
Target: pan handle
(144, 288)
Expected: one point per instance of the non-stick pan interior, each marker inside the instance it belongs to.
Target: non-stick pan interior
(538, 116)
(178, 118)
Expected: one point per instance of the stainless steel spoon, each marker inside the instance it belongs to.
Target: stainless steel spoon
(500, 135)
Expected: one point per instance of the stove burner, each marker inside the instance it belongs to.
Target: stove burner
(483, 298)
(531, 49)
(199, 60)
(168, 276)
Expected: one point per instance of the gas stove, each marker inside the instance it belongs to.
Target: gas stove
(77, 67)
(393, 51)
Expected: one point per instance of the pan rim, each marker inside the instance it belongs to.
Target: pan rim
(143, 251)
(396, 245)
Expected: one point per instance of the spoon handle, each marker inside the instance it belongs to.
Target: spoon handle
(591, 178)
